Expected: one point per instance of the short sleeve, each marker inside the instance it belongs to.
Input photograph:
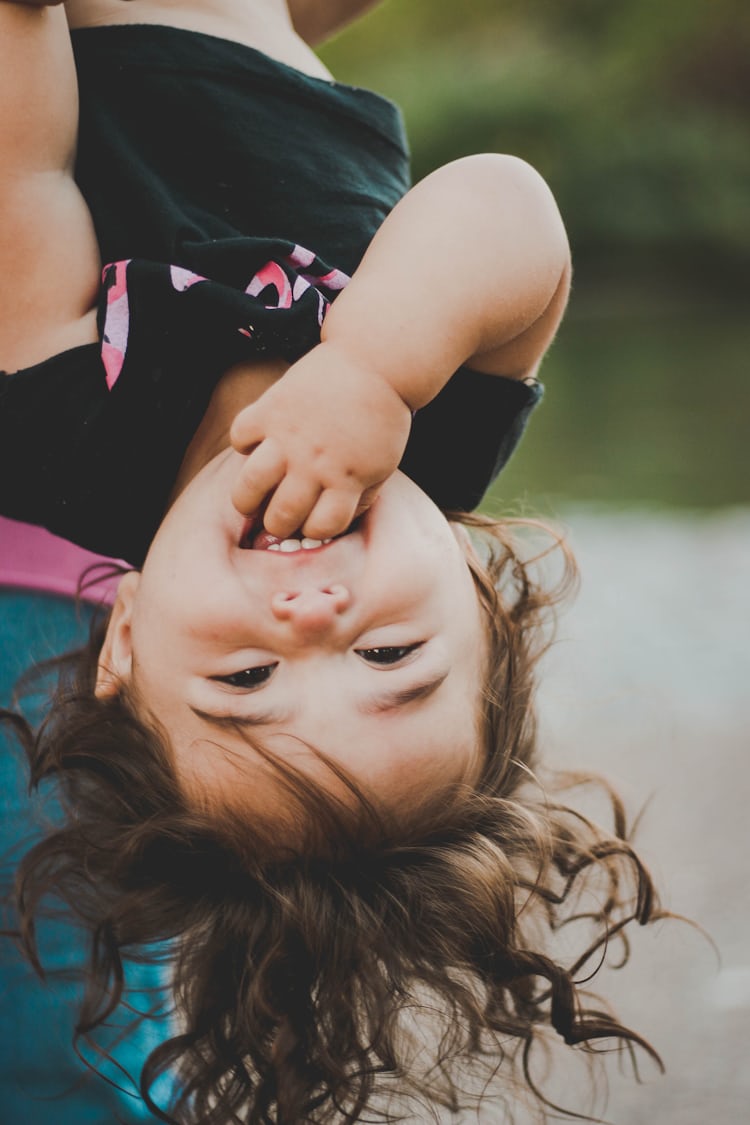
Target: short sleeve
(463, 438)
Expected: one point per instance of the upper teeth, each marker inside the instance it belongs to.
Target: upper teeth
(297, 544)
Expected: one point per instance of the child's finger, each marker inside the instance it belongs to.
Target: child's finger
(368, 498)
(290, 505)
(245, 431)
(331, 515)
(259, 475)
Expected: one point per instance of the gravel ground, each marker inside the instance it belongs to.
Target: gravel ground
(650, 684)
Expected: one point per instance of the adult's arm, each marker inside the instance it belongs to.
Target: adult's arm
(48, 254)
(316, 20)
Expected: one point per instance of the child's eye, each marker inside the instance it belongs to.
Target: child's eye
(248, 677)
(390, 654)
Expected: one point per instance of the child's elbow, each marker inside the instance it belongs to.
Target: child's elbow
(506, 191)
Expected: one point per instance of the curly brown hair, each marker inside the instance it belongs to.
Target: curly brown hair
(305, 976)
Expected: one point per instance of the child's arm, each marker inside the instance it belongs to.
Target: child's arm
(472, 266)
(48, 255)
(315, 20)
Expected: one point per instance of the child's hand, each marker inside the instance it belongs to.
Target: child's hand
(323, 439)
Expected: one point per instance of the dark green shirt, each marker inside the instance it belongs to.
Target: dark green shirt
(231, 192)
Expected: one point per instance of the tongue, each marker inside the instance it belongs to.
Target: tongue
(263, 540)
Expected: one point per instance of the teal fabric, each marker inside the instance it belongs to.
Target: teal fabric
(42, 1082)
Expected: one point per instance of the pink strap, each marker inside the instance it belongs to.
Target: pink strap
(33, 559)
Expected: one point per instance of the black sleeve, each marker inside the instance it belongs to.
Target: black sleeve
(462, 439)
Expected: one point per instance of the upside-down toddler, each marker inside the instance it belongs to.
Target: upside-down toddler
(298, 747)
(470, 267)
(360, 636)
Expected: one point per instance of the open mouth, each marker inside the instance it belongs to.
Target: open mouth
(256, 538)
(264, 541)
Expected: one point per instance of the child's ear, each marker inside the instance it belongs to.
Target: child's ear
(465, 541)
(116, 656)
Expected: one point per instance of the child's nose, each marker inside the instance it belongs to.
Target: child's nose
(312, 609)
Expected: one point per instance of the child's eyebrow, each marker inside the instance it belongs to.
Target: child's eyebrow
(391, 700)
(232, 722)
(374, 705)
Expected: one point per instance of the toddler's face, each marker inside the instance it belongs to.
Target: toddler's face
(369, 648)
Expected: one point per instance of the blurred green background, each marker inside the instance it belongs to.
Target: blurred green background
(638, 115)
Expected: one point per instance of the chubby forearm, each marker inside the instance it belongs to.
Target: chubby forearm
(316, 20)
(472, 266)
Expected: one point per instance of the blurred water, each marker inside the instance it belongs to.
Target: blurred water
(648, 404)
